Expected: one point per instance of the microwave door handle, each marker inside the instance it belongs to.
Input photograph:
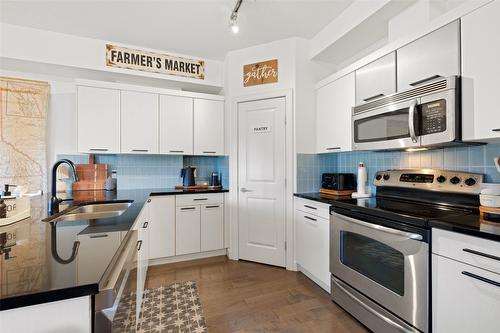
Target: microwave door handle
(411, 121)
(408, 235)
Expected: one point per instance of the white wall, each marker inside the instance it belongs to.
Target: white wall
(30, 44)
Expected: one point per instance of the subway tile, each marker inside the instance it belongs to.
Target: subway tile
(476, 156)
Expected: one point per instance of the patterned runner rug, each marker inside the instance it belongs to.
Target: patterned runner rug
(172, 309)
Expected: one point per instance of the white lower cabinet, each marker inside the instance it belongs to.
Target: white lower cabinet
(313, 246)
(142, 226)
(465, 283)
(187, 230)
(212, 227)
(461, 301)
(162, 227)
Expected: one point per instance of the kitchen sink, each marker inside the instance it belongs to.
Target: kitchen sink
(92, 212)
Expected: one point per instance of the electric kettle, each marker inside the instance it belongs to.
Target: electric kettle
(188, 173)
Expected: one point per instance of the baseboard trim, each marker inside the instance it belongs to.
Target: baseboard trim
(186, 257)
(314, 279)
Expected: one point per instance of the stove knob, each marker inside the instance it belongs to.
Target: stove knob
(386, 177)
(441, 179)
(470, 182)
(378, 177)
(455, 180)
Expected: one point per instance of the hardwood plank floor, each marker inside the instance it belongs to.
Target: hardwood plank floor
(240, 296)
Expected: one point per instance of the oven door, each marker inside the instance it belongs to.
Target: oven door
(390, 127)
(387, 265)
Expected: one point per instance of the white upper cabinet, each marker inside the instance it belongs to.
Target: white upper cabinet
(430, 57)
(208, 127)
(377, 79)
(176, 125)
(98, 118)
(480, 73)
(139, 122)
(334, 102)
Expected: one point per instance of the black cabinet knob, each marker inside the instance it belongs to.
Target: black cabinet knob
(455, 180)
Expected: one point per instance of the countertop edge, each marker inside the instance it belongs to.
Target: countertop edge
(15, 302)
(463, 230)
(184, 192)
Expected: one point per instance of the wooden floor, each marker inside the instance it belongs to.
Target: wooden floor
(239, 296)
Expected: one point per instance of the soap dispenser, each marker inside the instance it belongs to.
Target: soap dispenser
(6, 193)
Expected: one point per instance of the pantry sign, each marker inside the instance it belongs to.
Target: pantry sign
(122, 57)
(260, 73)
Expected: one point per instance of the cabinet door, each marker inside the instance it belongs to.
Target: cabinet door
(432, 56)
(383, 72)
(334, 104)
(162, 227)
(187, 230)
(212, 227)
(480, 73)
(139, 122)
(208, 127)
(461, 301)
(176, 125)
(94, 254)
(98, 117)
(313, 251)
(142, 226)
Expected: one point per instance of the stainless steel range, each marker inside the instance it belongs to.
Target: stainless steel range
(379, 247)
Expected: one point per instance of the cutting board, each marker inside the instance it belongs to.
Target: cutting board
(91, 176)
(335, 192)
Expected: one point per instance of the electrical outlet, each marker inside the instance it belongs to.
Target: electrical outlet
(497, 163)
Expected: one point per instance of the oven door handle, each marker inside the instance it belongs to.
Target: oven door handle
(411, 121)
(408, 235)
(377, 314)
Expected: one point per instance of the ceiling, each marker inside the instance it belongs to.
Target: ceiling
(191, 27)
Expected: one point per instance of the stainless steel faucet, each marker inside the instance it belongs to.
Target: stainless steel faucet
(54, 200)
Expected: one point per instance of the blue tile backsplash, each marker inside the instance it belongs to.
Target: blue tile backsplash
(157, 171)
(478, 159)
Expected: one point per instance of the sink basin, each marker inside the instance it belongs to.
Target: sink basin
(93, 211)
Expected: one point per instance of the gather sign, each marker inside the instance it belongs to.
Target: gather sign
(123, 57)
(260, 73)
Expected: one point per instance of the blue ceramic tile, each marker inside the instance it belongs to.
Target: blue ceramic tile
(476, 156)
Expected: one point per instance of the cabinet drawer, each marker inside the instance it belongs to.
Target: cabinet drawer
(199, 199)
(313, 207)
(471, 250)
(464, 298)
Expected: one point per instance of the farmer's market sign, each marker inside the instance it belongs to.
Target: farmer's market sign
(122, 57)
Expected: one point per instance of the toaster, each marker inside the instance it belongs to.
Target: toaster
(338, 181)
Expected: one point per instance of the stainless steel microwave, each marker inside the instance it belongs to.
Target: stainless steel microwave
(424, 116)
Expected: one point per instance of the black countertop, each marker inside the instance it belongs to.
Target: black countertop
(33, 253)
(470, 224)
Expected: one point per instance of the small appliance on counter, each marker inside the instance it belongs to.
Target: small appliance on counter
(215, 179)
(337, 184)
(187, 174)
(13, 208)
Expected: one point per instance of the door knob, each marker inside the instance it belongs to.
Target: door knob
(244, 190)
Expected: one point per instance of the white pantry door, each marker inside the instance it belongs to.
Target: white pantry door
(261, 164)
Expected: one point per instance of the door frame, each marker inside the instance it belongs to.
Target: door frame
(233, 250)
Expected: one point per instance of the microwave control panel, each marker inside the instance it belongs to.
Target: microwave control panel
(433, 117)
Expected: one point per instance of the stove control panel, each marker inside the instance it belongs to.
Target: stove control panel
(431, 179)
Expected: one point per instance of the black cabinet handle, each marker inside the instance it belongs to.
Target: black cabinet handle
(209, 152)
(310, 207)
(139, 244)
(310, 218)
(188, 208)
(416, 83)
(99, 236)
(145, 225)
(482, 254)
(200, 199)
(372, 97)
(176, 151)
(212, 206)
(496, 130)
(480, 278)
